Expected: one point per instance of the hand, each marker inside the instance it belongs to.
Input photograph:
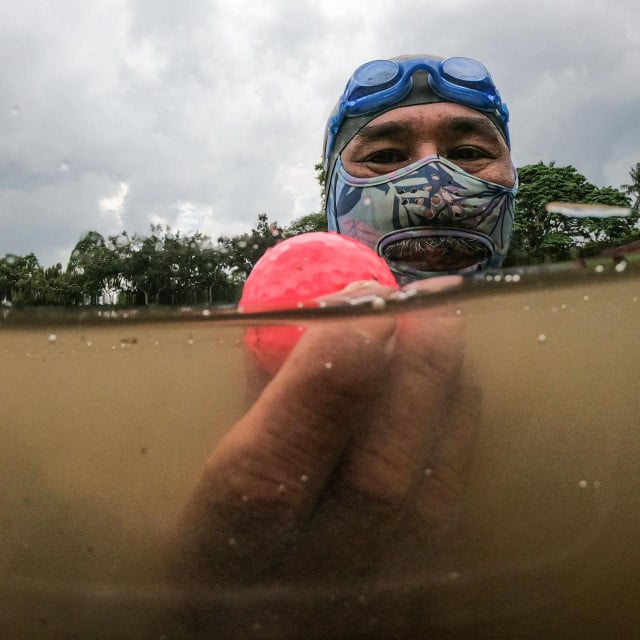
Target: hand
(350, 466)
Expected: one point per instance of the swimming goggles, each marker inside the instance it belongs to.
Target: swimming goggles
(379, 84)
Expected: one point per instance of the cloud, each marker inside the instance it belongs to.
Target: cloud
(213, 112)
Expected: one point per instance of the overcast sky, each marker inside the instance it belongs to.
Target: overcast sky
(201, 114)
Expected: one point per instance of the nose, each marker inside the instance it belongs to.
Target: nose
(426, 148)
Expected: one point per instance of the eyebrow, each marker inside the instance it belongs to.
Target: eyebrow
(455, 125)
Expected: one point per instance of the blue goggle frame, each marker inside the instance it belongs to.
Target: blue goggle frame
(379, 84)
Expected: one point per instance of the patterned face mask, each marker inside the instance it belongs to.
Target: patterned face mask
(425, 219)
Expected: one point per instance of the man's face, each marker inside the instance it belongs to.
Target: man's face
(399, 137)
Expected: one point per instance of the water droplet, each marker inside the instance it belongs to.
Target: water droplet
(52, 338)
(245, 498)
(175, 268)
(516, 277)
(328, 365)
(454, 575)
(367, 201)
(89, 343)
(304, 477)
(190, 341)
(542, 338)
(554, 309)
(10, 259)
(526, 307)
(232, 542)
(497, 278)
(596, 484)
(242, 244)
(458, 312)
(64, 166)
(206, 312)
(599, 268)
(378, 303)
(300, 305)
(281, 488)
(428, 471)
(585, 298)
(583, 484)
(255, 247)
(15, 110)
(563, 306)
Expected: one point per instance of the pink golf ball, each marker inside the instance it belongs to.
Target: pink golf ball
(292, 275)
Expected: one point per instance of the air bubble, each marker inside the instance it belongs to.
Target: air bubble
(621, 266)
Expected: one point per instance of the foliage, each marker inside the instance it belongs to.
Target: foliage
(307, 224)
(540, 236)
(167, 267)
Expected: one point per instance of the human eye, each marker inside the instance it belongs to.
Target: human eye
(385, 156)
(468, 154)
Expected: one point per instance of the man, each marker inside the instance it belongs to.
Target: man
(418, 165)
(349, 469)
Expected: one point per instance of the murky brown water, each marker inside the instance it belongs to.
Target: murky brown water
(106, 425)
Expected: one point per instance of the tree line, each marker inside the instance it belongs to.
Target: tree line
(167, 267)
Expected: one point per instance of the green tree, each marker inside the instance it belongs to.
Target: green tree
(21, 280)
(633, 189)
(306, 224)
(243, 251)
(92, 266)
(540, 236)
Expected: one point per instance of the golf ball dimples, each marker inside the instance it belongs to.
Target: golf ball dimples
(295, 272)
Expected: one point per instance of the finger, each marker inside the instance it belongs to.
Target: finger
(359, 292)
(433, 285)
(386, 462)
(446, 474)
(265, 477)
